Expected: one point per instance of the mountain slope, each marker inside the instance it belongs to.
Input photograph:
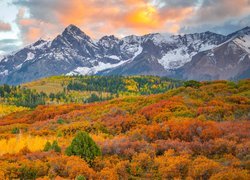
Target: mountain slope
(67, 52)
(162, 54)
(230, 60)
(190, 56)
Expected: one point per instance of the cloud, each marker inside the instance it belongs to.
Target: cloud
(5, 26)
(8, 45)
(123, 17)
(217, 11)
(32, 29)
(98, 17)
(8, 41)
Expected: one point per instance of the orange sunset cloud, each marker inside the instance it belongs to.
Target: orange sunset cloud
(144, 17)
(33, 33)
(4, 26)
(120, 17)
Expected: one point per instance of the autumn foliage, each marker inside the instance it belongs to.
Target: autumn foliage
(198, 131)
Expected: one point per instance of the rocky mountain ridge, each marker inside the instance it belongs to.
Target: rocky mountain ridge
(199, 56)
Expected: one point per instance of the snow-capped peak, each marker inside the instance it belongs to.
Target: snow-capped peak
(74, 51)
(73, 32)
(39, 44)
(108, 41)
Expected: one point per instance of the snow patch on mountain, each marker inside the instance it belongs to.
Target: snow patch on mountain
(243, 42)
(74, 52)
(175, 59)
(93, 70)
(30, 56)
(131, 44)
(79, 70)
(19, 66)
(5, 73)
(138, 52)
(113, 57)
(1, 58)
(243, 57)
(161, 38)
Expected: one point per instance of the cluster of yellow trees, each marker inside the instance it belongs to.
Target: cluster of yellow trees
(15, 144)
(7, 109)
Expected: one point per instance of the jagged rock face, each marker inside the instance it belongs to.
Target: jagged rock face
(68, 52)
(219, 63)
(200, 56)
(229, 60)
(159, 54)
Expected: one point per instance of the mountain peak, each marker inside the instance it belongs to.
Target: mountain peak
(73, 33)
(73, 52)
(74, 30)
(38, 42)
(72, 27)
(210, 33)
(108, 38)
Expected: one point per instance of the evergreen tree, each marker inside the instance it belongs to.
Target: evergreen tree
(192, 83)
(47, 146)
(54, 146)
(84, 146)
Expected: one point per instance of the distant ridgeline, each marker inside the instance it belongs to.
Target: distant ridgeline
(83, 89)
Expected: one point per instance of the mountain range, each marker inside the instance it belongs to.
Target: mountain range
(198, 56)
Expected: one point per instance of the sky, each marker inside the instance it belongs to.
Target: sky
(25, 21)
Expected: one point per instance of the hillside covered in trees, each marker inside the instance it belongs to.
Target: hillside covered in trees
(82, 89)
(200, 130)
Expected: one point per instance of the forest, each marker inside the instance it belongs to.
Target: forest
(142, 85)
(82, 89)
(151, 128)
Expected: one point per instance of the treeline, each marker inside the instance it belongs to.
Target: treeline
(66, 97)
(142, 85)
(98, 88)
(19, 96)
